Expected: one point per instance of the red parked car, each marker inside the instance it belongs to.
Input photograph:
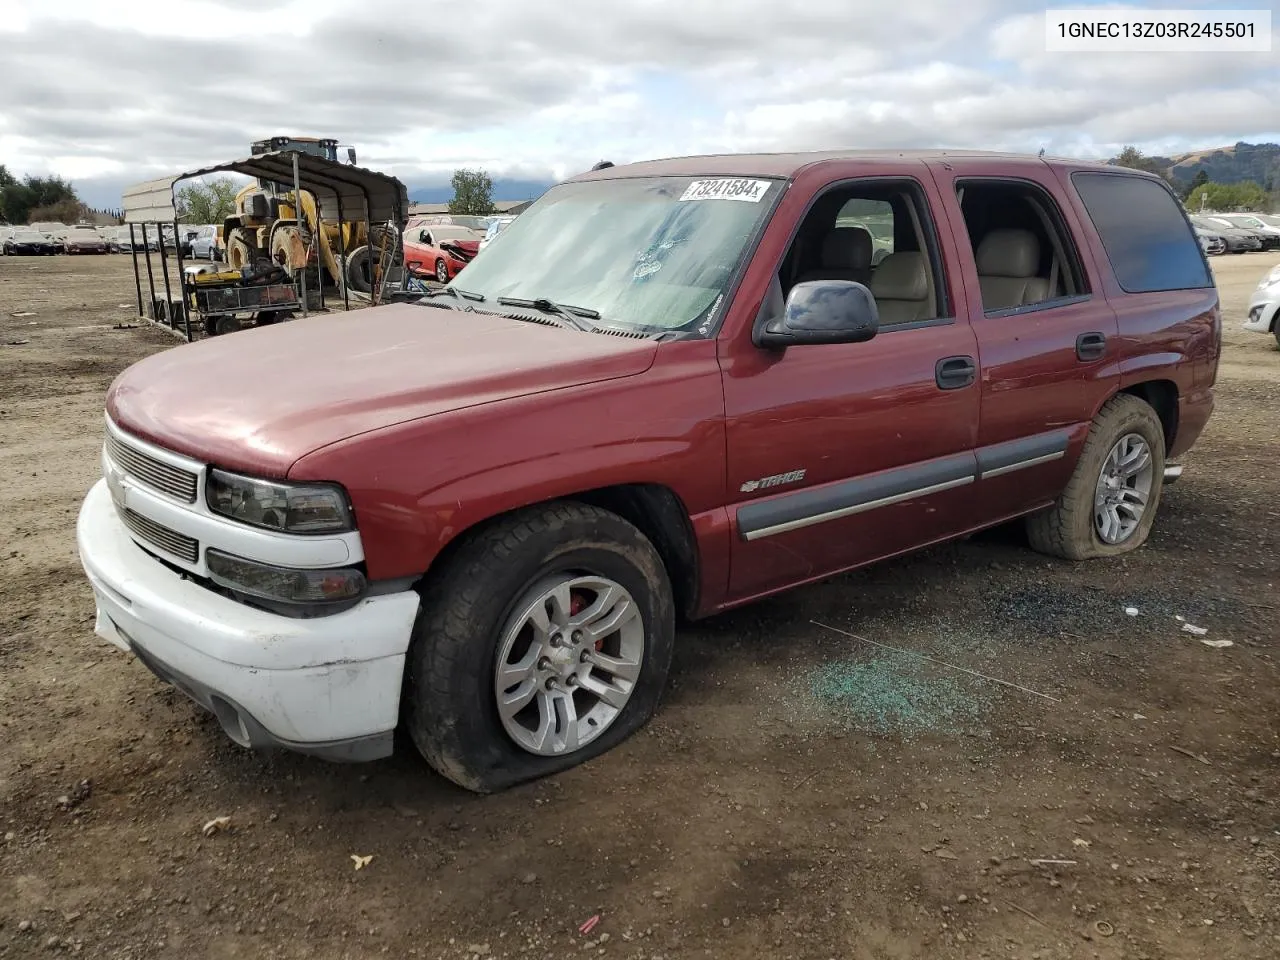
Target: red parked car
(441, 249)
(674, 387)
(84, 239)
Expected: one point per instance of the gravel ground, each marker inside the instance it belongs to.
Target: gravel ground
(801, 793)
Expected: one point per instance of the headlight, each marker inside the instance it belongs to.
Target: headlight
(287, 507)
(284, 584)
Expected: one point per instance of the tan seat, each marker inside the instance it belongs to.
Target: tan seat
(901, 288)
(845, 255)
(1007, 265)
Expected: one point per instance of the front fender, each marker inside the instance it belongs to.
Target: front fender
(418, 486)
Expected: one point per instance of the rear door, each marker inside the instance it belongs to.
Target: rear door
(1046, 335)
(842, 454)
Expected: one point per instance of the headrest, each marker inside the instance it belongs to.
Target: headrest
(1009, 253)
(847, 248)
(901, 276)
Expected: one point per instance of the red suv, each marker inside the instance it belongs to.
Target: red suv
(673, 388)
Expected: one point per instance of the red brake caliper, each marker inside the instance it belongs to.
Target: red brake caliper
(578, 603)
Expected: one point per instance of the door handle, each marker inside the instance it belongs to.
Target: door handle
(952, 373)
(1091, 346)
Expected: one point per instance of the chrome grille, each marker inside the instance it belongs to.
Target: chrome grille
(158, 535)
(174, 481)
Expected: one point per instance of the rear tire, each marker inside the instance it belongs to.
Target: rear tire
(359, 270)
(1072, 528)
(473, 610)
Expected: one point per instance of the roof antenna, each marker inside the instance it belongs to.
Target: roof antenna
(1041, 153)
(603, 165)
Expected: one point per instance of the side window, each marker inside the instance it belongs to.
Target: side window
(1144, 233)
(878, 233)
(1024, 252)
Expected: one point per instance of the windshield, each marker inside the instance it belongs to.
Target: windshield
(653, 253)
(29, 236)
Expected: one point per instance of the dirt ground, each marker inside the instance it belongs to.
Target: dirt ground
(800, 794)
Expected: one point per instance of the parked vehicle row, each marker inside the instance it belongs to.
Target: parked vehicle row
(667, 389)
(46, 238)
(1225, 233)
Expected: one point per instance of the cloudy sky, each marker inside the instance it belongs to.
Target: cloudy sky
(109, 93)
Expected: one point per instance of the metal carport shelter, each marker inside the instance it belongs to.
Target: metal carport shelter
(340, 190)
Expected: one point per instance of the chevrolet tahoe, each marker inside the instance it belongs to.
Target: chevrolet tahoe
(673, 388)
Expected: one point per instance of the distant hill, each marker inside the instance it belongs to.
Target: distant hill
(502, 190)
(1243, 161)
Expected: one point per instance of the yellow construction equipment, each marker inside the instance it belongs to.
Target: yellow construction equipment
(266, 226)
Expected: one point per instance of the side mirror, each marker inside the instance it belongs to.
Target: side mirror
(424, 236)
(823, 311)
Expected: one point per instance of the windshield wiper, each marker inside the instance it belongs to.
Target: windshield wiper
(579, 318)
(455, 292)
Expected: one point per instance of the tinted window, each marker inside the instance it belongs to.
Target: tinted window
(1144, 233)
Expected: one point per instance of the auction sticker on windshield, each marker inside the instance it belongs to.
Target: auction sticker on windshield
(751, 191)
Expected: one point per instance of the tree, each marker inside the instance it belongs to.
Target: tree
(209, 202)
(472, 192)
(1227, 197)
(64, 211)
(1199, 180)
(19, 200)
(49, 191)
(1134, 159)
(8, 182)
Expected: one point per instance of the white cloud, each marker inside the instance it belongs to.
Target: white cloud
(114, 91)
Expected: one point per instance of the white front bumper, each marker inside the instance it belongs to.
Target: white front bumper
(327, 685)
(1262, 313)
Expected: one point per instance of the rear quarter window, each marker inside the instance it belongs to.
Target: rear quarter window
(1145, 234)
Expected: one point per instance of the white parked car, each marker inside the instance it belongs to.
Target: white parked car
(204, 245)
(1264, 306)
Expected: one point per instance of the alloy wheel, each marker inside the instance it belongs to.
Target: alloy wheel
(1123, 490)
(568, 661)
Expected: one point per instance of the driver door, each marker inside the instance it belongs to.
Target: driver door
(842, 454)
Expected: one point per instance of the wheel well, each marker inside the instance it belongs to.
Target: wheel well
(1162, 397)
(653, 509)
(661, 516)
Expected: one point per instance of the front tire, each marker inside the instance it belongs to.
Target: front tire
(442, 271)
(544, 641)
(1110, 503)
(242, 248)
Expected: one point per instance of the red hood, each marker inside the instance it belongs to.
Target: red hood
(260, 399)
